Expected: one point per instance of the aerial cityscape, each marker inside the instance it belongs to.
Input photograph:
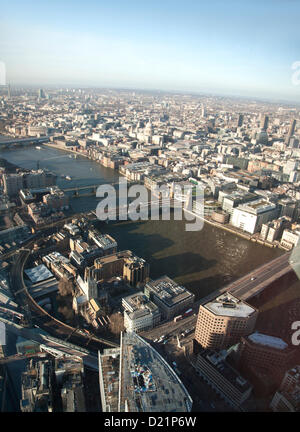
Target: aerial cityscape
(149, 227)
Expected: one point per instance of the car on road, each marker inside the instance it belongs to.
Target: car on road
(253, 278)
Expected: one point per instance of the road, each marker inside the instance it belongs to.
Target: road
(243, 288)
(170, 328)
(247, 287)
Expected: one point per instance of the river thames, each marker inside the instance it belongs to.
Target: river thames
(202, 260)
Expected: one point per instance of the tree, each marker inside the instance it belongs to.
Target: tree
(116, 323)
(65, 287)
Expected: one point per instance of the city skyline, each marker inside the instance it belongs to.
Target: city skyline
(220, 48)
(198, 310)
(149, 209)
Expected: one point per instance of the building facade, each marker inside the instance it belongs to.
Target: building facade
(222, 321)
(225, 380)
(140, 313)
(250, 217)
(170, 297)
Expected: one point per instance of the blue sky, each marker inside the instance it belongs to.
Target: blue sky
(231, 46)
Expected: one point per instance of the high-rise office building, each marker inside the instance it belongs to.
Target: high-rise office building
(290, 139)
(270, 354)
(223, 321)
(240, 120)
(42, 94)
(292, 128)
(264, 121)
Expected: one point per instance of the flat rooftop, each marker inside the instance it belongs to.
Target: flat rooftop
(148, 383)
(229, 306)
(38, 274)
(258, 206)
(138, 302)
(103, 240)
(268, 341)
(168, 291)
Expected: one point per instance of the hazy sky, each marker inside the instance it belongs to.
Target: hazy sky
(229, 46)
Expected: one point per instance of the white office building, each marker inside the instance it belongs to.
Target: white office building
(139, 313)
(250, 217)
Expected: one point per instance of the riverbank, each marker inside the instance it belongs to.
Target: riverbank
(231, 229)
(202, 261)
(66, 149)
(111, 175)
(251, 237)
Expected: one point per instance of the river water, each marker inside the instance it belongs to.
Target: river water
(202, 261)
(83, 172)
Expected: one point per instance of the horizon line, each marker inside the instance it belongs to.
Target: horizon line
(149, 90)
